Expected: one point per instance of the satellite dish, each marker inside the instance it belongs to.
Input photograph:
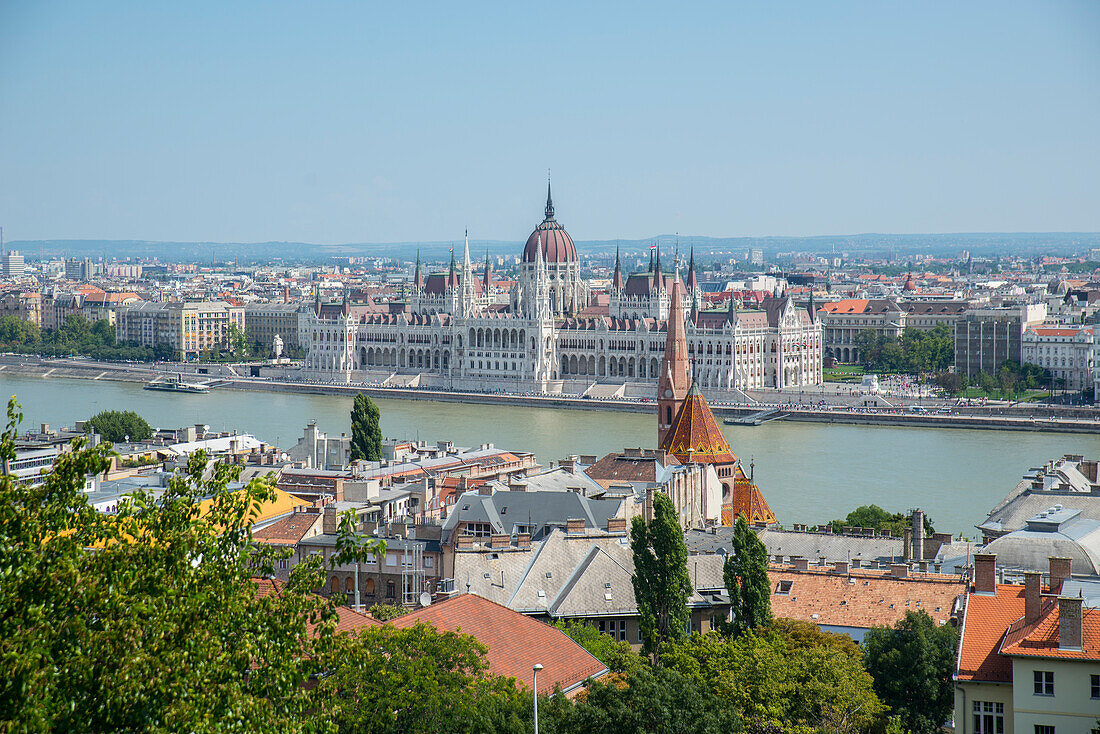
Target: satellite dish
(425, 599)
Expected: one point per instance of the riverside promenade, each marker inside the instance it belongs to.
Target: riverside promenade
(992, 416)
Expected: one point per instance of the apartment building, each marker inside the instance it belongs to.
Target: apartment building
(987, 337)
(25, 305)
(844, 320)
(1066, 351)
(266, 320)
(188, 328)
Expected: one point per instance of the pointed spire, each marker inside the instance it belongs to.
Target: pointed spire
(813, 308)
(466, 253)
(617, 280)
(549, 199)
(651, 259)
(657, 261)
(731, 313)
(418, 276)
(488, 272)
(692, 282)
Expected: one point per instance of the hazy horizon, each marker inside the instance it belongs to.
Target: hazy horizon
(341, 122)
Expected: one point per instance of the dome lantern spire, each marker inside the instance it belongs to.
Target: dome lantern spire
(549, 199)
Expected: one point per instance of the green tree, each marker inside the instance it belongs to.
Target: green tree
(366, 430)
(778, 683)
(617, 655)
(116, 425)
(876, 518)
(745, 573)
(951, 383)
(661, 580)
(869, 345)
(239, 341)
(149, 619)
(386, 612)
(417, 680)
(648, 701)
(912, 664)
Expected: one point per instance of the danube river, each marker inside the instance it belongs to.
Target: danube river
(809, 472)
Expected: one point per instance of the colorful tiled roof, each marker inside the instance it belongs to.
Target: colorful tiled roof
(748, 502)
(694, 435)
(515, 641)
(984, 625)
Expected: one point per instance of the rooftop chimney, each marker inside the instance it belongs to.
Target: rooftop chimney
(899, 570)
(616, 525)
(800, 563)
(985, 573)
(918, 534)
(1033, 582)
(1059, 572)
(500, 541)
(329, 522)
(842, 567)
(523, 540)
(574, 526)
(1069, 622)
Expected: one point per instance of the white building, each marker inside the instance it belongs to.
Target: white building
(544, 337)
(1067, 352)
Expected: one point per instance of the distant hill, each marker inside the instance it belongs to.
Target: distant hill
(899, 245)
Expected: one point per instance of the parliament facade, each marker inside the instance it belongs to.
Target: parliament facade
(550, 333)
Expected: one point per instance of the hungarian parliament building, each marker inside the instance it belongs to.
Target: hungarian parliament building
(551, 333)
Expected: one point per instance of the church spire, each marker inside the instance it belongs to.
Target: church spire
(673, 383)
(617, 280)
(418, 277)
(549, 199)
(488, 272)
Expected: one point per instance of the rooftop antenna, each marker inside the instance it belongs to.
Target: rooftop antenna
(752, 468)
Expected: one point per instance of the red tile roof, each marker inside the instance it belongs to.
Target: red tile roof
(863, 598)
(1040, 639)
(515, 641)
(347, 619)
(288, 530)
(984, 625)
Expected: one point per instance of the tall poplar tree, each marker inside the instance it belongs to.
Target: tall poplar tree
(746, 575)
(661, 581)
(366, 431)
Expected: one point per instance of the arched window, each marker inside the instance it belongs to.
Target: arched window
(335, 585)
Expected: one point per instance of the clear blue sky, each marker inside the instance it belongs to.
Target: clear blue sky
(372, 122)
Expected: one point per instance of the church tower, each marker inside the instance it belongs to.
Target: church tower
(673, 384)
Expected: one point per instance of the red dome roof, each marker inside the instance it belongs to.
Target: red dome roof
(557, 245)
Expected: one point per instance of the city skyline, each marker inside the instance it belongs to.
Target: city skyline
(339, 123)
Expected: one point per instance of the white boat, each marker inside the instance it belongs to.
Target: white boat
(175, 383)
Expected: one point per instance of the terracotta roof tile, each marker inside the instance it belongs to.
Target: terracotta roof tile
(695, 435)
(863, 598)
(1041, 638)
(984, 625)
(515, 641)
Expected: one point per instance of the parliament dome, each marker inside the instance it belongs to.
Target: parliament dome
(557, 245)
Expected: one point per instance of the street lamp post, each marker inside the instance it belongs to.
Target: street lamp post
(535, 685)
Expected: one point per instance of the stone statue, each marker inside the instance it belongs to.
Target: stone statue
(277, 346)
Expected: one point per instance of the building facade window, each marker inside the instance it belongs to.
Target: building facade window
(614, 627)
(1095, 686)
(989, 717)
(1044, 729)
(1044, 683)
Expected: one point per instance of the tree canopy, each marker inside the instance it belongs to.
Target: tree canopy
(782, 679)
(366, 429)
(876, 518)
(914, 352)
(116, 425)
(911, 664)
(78, 336)
(745, 573)
(661, 580)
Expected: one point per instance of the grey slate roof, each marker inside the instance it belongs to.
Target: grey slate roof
(572, 576)
(805, 544)
(543, 510)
